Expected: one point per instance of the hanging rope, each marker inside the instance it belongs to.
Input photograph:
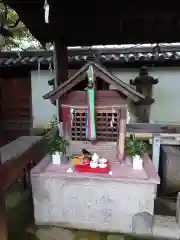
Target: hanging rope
(46, 11)
(97, 107)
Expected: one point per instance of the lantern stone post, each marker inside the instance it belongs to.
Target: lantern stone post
(144, 85)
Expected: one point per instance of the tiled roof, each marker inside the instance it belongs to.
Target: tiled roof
(124, 88)
(84, 55)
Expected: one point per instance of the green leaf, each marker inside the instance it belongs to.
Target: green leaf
(52, 141)
(21, 34)
(135, 147)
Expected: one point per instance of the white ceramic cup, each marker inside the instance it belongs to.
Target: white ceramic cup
(95, 157)
(93, 164)
(102, 160)
(102, 165)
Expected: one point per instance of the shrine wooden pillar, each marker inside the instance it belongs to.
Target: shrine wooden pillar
(122, 134)
(3, 214)
(60, 65)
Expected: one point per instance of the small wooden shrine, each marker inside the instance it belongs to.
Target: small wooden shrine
(95, 119)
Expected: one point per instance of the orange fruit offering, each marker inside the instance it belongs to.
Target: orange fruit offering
(75, 161)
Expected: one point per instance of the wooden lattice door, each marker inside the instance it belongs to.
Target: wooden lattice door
(106, 130)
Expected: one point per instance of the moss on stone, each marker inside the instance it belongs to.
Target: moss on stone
(89, 235)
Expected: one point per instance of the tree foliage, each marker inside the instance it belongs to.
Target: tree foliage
(19, 37)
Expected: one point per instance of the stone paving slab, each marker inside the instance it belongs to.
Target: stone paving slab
(165, 227)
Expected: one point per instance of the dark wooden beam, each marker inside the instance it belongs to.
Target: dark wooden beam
(60, 66)
(101, 23)
(61, 62)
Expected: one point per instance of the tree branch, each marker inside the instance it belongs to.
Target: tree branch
(15, 24)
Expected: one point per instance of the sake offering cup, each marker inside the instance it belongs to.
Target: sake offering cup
(93, 164)
(102, 165)
(102, 160)
(95, 157)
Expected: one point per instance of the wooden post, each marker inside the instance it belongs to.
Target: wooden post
(178, 209)
(3, 215)
(3, 218)
(122, 134)
(60, 67)
(156, 143)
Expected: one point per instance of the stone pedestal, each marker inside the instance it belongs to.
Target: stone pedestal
(102, 202)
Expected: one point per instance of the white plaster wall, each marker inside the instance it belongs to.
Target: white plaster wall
(42, 110)
(166, 94)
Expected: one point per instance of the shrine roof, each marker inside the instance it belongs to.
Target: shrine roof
(80, 75)
(110, 57)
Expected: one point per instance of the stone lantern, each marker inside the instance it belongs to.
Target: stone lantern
(144, 85)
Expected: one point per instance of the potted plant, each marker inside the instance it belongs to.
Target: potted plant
(135, 148)
(55, 145)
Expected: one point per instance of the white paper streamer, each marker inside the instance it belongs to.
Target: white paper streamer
(50, 67)
(46, 11)
(128, 117)
(72, 116)
(112, 120)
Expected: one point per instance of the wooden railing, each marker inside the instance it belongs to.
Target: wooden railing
(150, 128)
(157, 134)
(13, 170)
